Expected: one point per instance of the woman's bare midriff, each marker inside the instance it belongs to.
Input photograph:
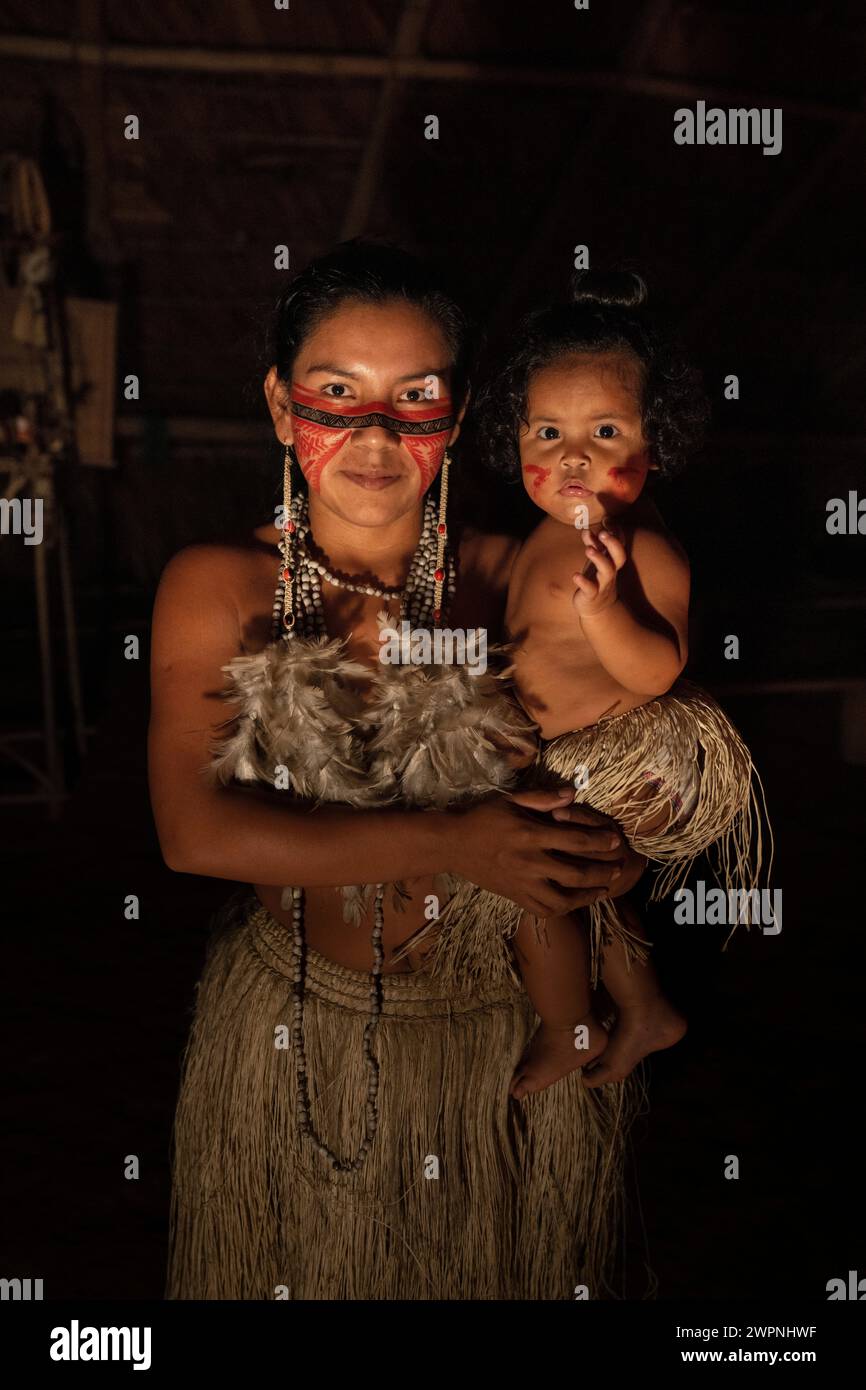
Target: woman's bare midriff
(326, 931)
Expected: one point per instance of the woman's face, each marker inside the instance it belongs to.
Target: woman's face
(388, 368)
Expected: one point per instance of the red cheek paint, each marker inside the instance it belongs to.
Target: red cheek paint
(542, 475)
(315, 447)
(427, 451)
(628, 481)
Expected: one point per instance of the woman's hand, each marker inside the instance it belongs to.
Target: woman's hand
(546, 867)
(633, 864)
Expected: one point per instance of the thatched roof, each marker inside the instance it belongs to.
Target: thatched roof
(261, 126)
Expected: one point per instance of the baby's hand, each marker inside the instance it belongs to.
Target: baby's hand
(594, 594)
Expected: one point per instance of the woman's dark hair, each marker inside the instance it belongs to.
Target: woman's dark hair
(373, 272)
(606, 314)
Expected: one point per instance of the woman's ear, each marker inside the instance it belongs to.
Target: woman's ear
(279, 405)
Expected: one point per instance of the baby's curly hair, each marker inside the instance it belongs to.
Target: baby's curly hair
(606, 314)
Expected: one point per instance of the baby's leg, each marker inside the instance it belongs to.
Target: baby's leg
(554, 964)
(646, 1021)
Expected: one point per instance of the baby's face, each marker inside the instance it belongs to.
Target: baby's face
(583, 455)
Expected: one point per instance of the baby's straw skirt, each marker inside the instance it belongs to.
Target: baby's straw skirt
(676, 765)
(465, 1193)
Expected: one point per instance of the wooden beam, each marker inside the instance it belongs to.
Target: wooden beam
(407, 41)
(375, 68)
(262, 142)
(91, 115)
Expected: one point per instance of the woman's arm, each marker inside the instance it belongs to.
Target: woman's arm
(235, 832)
(227, 832)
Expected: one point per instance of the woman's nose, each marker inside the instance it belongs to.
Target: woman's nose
(375, 436)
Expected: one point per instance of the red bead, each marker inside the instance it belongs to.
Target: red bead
(290, 527)
(437, 614)
(287, 574)
(441, 529)
(438, 575)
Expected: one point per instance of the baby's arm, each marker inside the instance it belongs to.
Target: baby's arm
(634, 609)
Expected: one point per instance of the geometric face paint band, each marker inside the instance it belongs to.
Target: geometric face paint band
(323, 425)
(367, 417)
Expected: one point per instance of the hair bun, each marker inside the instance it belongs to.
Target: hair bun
(620, 289)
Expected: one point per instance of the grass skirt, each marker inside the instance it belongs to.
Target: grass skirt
(465, 1194)
(677, 759)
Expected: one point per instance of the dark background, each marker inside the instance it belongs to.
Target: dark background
(261, 127)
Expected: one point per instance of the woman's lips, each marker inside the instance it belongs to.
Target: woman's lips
(574, 489)
(375, 482)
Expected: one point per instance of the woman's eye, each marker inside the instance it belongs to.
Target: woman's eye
(607, 431)
(335, 388)
(413, 394)
(548, 432)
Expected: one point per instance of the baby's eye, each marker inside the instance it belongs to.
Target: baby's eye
(607, 431)
(336, 388)
(548, 432)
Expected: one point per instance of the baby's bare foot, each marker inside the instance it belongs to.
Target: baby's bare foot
(649, 1026)
(554, 1052)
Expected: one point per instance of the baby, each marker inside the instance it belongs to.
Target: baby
(590, 403)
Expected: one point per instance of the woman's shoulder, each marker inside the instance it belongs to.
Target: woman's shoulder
(488, 555)
(204, 567)
(223, 562)
(486, 562)
(233, 576)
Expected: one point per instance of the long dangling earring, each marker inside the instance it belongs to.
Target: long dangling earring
(288, 571)
(441, 540)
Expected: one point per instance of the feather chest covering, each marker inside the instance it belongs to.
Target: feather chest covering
(297, 725)
(316, 723)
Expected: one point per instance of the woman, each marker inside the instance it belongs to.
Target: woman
(378, 1156)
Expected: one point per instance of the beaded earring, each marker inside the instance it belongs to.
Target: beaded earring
(441, 540)
(287, 544)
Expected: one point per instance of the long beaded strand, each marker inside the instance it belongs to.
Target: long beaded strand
(304, 1113)
(300, 578)
(441, 539)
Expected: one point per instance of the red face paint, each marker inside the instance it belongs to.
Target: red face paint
(315, 446)
(323, 424)
(542, 474)
(628, 480)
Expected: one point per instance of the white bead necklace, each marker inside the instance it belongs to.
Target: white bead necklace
(417, 599)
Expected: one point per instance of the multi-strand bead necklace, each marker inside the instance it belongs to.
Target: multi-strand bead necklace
(299, 612)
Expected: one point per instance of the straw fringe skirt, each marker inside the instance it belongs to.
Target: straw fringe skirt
(676, 765)
(464, 1195)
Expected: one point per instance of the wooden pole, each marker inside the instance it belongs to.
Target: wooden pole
(338, 65)
(406, 44)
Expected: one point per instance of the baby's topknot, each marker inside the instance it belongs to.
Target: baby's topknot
(605, 313)
(615, 289)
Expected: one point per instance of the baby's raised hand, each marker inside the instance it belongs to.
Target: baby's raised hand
(596, 591)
